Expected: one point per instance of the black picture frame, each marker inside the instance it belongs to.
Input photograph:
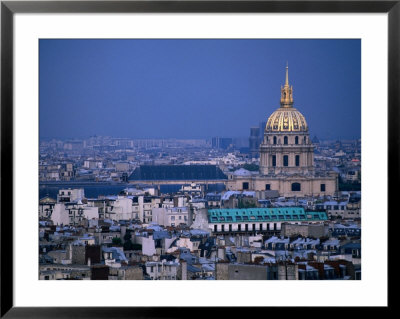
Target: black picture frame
(9, 8)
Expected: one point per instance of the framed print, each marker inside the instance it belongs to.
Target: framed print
(196, 146)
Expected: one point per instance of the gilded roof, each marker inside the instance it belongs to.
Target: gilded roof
(286, 120)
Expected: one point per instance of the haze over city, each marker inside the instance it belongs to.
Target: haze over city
(200, 160)
(195, 88)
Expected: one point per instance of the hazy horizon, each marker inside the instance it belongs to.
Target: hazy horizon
(195, 89)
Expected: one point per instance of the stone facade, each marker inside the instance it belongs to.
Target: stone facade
(287, 156)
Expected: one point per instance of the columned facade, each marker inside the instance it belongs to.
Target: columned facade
(286, 147)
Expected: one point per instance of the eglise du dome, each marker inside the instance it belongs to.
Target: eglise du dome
(287, 156)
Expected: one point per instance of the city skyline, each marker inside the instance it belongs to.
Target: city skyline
(160, 88)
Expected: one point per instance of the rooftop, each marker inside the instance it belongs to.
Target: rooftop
(264, 214)
(177, 172)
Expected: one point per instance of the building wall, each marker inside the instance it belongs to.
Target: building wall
(221, 271)
(309, 185)
(305, 150)
(148, 246)
(60, 215)
(78, 254)
(134, 273)
(314, 230)
(288, 272)
(241, 272)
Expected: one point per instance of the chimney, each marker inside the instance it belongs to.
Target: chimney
(190, 215)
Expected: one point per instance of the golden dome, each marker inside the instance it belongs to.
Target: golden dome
(286, 118)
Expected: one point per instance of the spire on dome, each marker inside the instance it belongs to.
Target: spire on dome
(287, 91)
(287, 75)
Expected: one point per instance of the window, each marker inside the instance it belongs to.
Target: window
(267, 187)
(230, 227)
(285, 160)
(274, 139)
(215, 228)
(261, 228)
(245, 185)
(246, 227)
(254, 226)
(223, 227)
(296, 140)
(296, 187)
(274, 160)
(297, 160)
(322, 187)
(285, 140)
(239, 227)
(305, 140)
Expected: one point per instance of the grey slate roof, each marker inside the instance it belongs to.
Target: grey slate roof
(177, 172)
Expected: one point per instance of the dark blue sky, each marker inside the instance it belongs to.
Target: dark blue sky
(195, 88)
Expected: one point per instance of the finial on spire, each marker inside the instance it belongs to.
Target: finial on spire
(287, 74)
(287, 91)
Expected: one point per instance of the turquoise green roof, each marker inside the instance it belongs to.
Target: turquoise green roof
(281, 214)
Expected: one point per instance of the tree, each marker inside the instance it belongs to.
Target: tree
(128, 245)
(116, 241)
(128, 235)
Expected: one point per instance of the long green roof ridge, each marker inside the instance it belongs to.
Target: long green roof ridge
(226, 215)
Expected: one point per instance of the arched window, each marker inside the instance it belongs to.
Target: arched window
(274, 139)
(285, 160)
(296, 187)
(285, 140)
(296, 140)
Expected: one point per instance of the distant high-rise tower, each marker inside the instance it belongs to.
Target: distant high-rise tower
(254, 141)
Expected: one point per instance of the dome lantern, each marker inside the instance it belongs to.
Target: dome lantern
(286, 118)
